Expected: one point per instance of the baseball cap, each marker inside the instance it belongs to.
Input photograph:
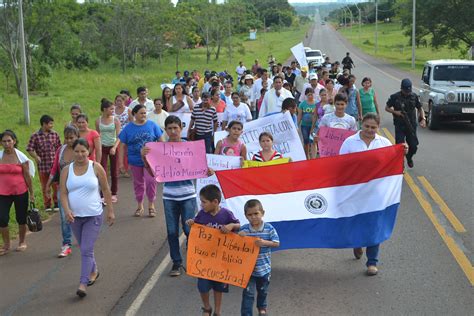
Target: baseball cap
(248, 77)
(304, 68)
(313, 76)
(406, 85)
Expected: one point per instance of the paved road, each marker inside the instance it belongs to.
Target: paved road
(418, 272)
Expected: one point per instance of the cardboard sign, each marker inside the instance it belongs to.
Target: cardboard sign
(217, 162)
(285, 136)
(185, 118)
(175, 161)
(331, 139)
(300, 54)
(227, 258)
(252, 164)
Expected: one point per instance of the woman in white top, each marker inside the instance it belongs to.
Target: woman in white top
(366, 139)
(80, 184)
(181, 102)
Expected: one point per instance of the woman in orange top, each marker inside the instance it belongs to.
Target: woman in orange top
(216, 100)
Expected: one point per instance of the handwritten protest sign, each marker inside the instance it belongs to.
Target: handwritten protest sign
(252, 164)
(175, 161)
(185, 118)
(227, 258)
(217, 162)
(331, 139)
(285, 136)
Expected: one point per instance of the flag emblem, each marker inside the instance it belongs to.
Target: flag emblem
(316, 203)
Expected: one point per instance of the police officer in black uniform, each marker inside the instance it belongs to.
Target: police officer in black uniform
(404, 106)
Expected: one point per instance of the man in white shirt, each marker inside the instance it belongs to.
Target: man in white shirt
(237, 111)
(274, 98)
(240, 70)
(313, 84)
(258, 84)
(300, 81)
(142, 98)
(227, 95)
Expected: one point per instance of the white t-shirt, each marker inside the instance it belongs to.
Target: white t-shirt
(257, 86)
(237, 113)
(240, 70)
(334, 121)
(316, 91)
(159, 119)
(148, 104)
(354, 144)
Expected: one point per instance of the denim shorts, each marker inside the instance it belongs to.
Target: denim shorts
(205, 285)
(305, 130)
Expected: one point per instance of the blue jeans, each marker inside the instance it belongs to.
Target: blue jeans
(372, 255)
(65, 227)
(208, 140)
(173, 211)
(248, 295)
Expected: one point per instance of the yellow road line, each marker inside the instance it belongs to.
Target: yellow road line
(457, 225)
(457, 253)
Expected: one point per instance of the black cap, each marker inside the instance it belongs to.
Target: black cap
(406, 85)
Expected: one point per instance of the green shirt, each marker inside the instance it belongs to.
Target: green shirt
(308, 110)
(367, 101)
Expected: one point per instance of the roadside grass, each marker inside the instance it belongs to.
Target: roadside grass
(394, 46)
(87, 88)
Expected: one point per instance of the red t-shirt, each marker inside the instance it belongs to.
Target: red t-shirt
(91, 135)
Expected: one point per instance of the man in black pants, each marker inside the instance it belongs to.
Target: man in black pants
(348, 63)
(403, 105)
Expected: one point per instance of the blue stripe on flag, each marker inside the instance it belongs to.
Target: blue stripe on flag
(367, 229)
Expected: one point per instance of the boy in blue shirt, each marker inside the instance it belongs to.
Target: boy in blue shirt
(213, 215)
(268, 238)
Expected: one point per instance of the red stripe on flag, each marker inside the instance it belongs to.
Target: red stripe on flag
(313, 174)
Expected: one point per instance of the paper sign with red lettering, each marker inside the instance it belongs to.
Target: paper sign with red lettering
(331, 139)
(227, 258)
(176, 161)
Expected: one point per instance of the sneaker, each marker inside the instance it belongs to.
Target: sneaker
(65, 251)
(358, 252)
(372, 270)
(176, 270)
(49, 209)
(56, 208)
(410, 163)
(114, 199)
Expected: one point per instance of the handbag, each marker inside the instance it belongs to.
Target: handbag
(33, 219)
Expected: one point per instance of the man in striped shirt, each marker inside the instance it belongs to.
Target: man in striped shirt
(204, 122)
(267, 238)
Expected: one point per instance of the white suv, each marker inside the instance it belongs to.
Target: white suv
(315, 57)
(447, 90)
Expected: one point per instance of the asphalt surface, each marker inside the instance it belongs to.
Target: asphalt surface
(425, 268)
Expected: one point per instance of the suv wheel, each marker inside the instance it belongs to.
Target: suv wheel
(433, 119)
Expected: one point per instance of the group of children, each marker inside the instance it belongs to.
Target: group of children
(212, 214)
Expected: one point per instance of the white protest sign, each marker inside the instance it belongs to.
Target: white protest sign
(185, 118)
(217, 162)
(300, 54)
(285, 136)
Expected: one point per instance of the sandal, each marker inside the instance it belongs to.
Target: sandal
(139, 212)
(21, 248)
(262, 312)
(206, 312)
(4, 251)
(151, 212)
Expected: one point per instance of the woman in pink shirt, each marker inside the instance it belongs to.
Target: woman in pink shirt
(15, 188)
(92, 137)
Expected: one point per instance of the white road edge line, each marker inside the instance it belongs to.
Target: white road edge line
(137, 303)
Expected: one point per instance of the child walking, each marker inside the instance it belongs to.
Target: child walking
(260, 279)
(232, 145)
(213, 215)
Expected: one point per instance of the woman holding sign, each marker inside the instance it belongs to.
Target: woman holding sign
(366, 139)
(132, 138)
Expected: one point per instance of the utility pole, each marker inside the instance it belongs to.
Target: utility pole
(26, 103)
(413, 34)
(360, 20)
(376, 27)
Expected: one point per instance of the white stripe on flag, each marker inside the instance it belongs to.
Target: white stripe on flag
(343, 201)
